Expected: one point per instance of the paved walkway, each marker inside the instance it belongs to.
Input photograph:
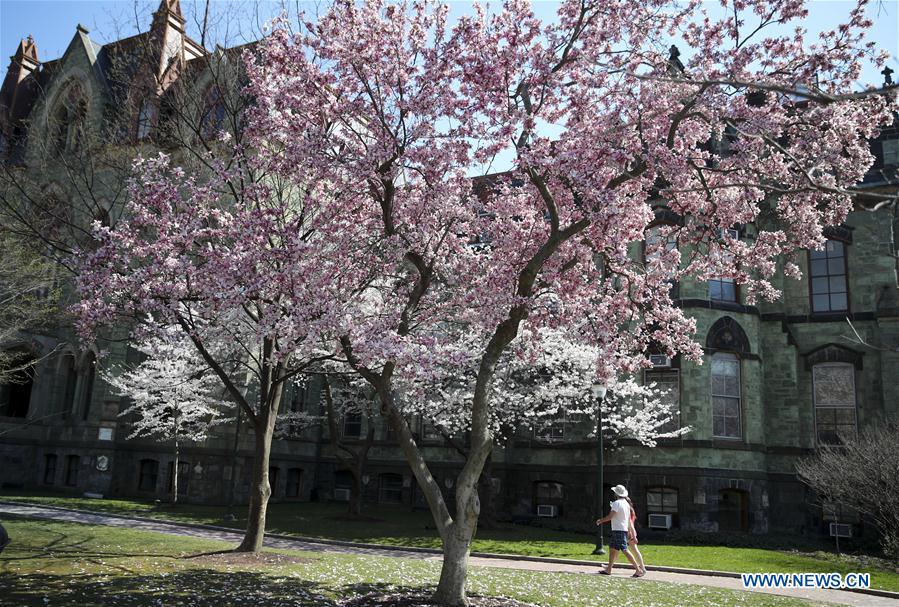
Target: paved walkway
(833, 596)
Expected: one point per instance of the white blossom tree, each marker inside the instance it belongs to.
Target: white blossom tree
(174, 397)
(540, 382)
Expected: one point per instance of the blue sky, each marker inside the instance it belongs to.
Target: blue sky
(52, 22)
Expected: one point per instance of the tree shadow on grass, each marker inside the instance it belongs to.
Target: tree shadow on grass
(188, 588)
(62, 546)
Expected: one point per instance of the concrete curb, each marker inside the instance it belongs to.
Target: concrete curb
(418, 549)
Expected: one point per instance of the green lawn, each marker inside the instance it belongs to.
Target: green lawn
(54, 564)
(398, 526)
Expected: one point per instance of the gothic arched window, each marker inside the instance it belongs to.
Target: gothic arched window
(67, 120)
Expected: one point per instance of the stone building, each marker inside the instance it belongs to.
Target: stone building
(779, 379)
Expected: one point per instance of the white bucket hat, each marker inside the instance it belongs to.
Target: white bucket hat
(619, 490)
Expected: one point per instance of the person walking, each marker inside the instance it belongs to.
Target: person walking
(620, 518)
(632, 541)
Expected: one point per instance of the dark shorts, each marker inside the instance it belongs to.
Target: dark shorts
(619, 540)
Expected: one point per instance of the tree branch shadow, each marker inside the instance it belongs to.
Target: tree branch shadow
(191, 587)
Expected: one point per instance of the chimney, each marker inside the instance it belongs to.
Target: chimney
(21, 65)
(168, 36)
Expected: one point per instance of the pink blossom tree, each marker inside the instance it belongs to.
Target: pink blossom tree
(383, 107)
(387, 257)
(220, 257)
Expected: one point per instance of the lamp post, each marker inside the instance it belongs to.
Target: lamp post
(599, 391)
(229, 516)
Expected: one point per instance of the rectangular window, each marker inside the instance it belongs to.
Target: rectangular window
(661, 500)
(49, 469)
(835, 404)
(294, 476)
(149, 470)
(827, 272)
(724, 289)
(73, 462)
(890, 151)
(551, 432)
(391, 489)
(429, 431)
(667, 383)
(653, 248)
(352, 425)
(145, 119)
(549, 492)
(726, 416)
(836, 512)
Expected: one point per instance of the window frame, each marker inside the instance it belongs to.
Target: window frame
(145, 121)
(739, 398)
(143, 473)
(50, 470)
(430, 432)
(294, 486)
(69, 385)
(735, 234)
(551, 499)
(677, 421)
(382, 489)
(894, 153)
(553, 432)
(89, 379)
(351, 419)
(674, 291)
(816, 406)
(662, 490)
(73, 463)
(811, 280)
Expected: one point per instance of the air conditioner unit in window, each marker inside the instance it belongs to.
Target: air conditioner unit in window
(660, 521)
(547, 511)
(660, 360)
(341, 494)
(722, 232)
(840, 530)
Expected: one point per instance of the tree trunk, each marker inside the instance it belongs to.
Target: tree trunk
(260, 490)
(457, 541)
(456, 547)
(355, 506)
(175, 473)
